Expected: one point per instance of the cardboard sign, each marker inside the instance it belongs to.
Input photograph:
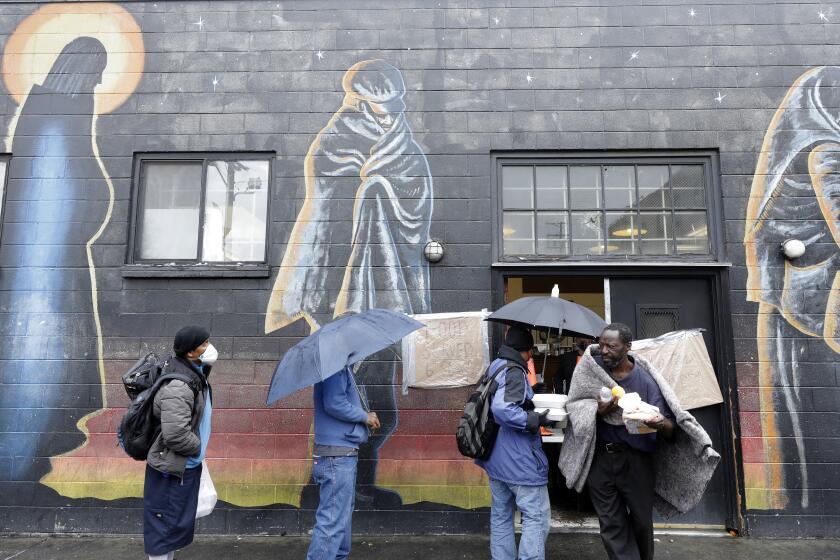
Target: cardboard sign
(682, 359)
(451, 351)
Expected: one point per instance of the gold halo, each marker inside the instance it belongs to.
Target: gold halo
(32, 49)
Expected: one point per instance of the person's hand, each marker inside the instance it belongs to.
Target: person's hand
(657, 422)
(543, 417)
(663, 425)
(605, 408)
(372, 421)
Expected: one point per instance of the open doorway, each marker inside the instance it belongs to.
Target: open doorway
(554, 355)
(651, 304)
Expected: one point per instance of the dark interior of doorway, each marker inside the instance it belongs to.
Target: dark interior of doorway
(568, 505)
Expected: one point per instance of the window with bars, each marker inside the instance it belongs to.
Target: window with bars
(193, 208)
(580, 208)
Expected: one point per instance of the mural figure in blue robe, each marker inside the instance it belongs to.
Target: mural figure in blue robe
(56, 201)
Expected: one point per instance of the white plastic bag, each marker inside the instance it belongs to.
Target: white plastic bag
(636, 412)
(207, 496)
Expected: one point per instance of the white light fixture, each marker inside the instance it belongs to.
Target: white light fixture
(793, 248)
(433, 251)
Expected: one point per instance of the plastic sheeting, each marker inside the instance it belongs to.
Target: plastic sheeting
(682, 358)
(452, 351)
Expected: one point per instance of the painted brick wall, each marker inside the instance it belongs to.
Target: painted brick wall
(480, 75)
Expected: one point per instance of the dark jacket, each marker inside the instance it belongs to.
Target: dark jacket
(517, 456)
(339, 416)
(568, 363)
(179, 410)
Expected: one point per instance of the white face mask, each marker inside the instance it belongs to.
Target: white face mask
(209, 356)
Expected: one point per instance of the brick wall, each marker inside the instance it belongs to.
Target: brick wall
(237, 76)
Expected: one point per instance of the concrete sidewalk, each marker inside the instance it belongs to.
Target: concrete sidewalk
(560, 546)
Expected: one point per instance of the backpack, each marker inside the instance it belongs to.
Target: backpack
(142, 375)
(139, 428)
(477, 428)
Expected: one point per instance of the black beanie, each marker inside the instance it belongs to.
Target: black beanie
(188, 339)
(519, 339)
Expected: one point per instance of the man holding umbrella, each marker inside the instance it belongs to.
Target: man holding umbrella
(517, 466)
(341, 425)
(325, 359)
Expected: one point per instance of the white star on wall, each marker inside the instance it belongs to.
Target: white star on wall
(720, 98)
(320, 55)
(692, 13)
(529, 78)
(215, 82)
(199, 23)
(634, 55)
(823, 16)
(496, 20)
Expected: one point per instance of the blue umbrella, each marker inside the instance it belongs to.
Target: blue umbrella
(335, 346)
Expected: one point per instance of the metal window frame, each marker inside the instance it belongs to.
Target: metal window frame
(137, 186)
(709, 159)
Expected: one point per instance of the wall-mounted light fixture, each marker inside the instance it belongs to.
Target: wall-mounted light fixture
(433, 251)
(793, 248)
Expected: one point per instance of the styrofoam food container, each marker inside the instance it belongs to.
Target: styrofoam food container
(554, 414)
(550, 400)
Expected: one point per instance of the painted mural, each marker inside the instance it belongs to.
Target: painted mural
(58, 67)
(794, 195)
(369, 188)
(357, 243)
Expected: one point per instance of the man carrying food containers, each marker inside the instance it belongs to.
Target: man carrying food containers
(517, 467)
(629, 439)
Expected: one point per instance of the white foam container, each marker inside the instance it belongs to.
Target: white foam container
(558, 415)
(550, 400)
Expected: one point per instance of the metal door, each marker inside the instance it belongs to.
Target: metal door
(653, 306)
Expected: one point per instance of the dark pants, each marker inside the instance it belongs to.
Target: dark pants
(621, 487)
(169, 505)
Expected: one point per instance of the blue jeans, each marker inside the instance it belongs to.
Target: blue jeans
(533, 502)
(336, 480)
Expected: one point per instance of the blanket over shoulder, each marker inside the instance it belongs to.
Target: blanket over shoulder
(684, 465)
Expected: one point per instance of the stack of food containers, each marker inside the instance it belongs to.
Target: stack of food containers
(556, 405)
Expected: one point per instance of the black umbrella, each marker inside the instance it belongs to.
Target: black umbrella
(547, 313)
(550, 313)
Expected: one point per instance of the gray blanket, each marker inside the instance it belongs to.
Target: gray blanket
(684, 465)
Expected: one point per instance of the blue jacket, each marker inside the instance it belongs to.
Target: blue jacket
(339, 416)
(517, 456)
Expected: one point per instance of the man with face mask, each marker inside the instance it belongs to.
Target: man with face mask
(173, 467)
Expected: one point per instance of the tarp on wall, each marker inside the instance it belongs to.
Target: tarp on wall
(682, 358)
(452, 351)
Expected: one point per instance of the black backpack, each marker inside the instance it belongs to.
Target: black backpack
(477, 428)
(139, 428)
(142, 375)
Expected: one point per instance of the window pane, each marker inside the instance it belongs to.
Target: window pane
(622, 233)
(585, 184)
(587, 233)
(235, 211)
(518, 233)
(171, 193)
(517, 187)
(656, 233)
(619, 186)
(688, 187)
(692, 232)
(653, 186)
(553, 233)
(551, 187)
